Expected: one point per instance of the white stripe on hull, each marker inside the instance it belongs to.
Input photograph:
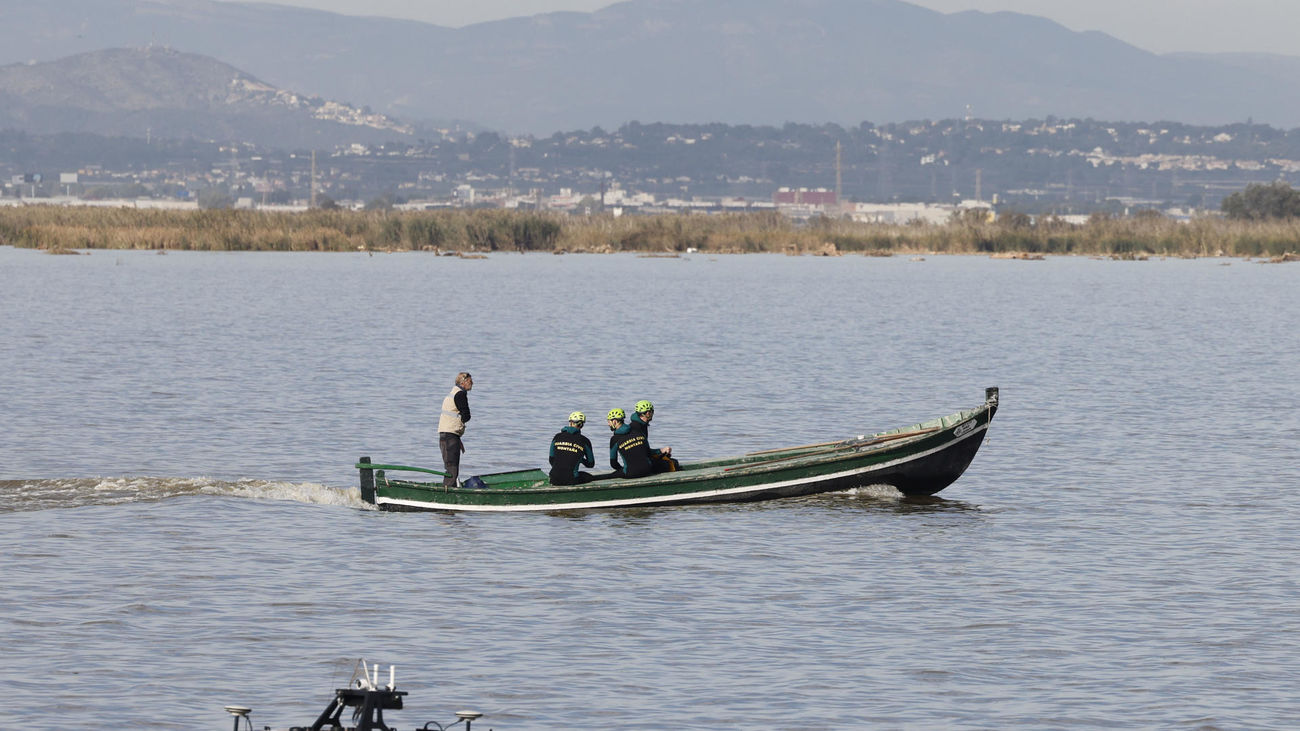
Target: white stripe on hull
(676, 497)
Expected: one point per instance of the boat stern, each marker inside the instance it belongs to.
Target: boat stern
(367, 480)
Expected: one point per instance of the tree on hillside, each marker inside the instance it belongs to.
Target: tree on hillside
(1262, 202)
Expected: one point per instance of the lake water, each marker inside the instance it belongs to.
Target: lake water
(179, 528)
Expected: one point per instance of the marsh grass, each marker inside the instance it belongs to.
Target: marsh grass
(78, 228)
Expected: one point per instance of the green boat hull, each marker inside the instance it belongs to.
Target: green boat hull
(918, 460)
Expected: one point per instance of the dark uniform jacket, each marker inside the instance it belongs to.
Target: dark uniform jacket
(631, 443)
(570, 450)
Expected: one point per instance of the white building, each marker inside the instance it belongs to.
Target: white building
(899, 213)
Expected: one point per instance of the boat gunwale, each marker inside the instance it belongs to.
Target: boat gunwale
(673, 498)
(829, 455)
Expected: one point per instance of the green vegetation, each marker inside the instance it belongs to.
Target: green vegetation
(1146, 234)
(1263, 202)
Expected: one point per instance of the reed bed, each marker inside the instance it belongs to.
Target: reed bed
(79, 228)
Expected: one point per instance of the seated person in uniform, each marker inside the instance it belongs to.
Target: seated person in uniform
(631, 443)
(570, 450)
(615, 419)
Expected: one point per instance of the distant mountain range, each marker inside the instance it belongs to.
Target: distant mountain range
(732, 61)
(167, 94)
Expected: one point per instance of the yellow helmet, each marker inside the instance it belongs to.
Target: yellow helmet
(644, 407)
(579, 417)
(616, 414)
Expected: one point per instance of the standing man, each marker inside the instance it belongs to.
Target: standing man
(569, 450)
(451, 425)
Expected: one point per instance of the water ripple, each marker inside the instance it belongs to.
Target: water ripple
(1120, 554)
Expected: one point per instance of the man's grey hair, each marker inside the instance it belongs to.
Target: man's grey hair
(460, 377)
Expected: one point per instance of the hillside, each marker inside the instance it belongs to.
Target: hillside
(162, 93)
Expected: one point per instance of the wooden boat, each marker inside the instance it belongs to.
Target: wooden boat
(918, 460)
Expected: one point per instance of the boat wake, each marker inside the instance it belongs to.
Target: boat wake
(875, 491)
(26, 495)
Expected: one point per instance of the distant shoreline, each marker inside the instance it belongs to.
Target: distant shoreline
(475, 232)
(1020, 256)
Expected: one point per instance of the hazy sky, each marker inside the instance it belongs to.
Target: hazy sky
(1161, 26)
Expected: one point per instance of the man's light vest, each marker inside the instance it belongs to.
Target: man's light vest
(450, 422)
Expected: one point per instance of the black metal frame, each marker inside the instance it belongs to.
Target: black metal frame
(370, 705)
